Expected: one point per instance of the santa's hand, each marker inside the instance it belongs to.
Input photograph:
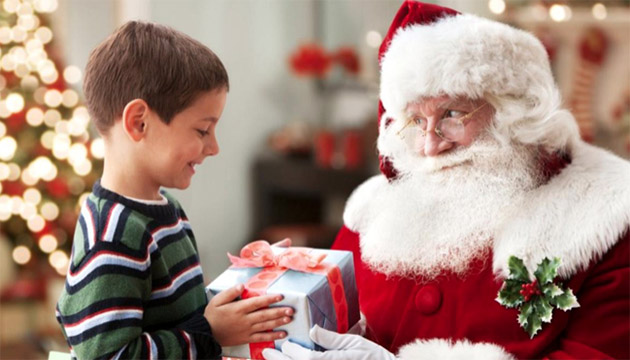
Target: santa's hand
(339, 347)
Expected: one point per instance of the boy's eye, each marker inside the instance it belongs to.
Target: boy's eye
(203, 132)
(453, 114)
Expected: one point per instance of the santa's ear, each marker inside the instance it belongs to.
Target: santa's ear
(135, 118)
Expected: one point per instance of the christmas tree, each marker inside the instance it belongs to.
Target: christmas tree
(48, 157)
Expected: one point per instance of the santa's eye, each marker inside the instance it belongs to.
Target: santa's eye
(420, 121)
(453, 114)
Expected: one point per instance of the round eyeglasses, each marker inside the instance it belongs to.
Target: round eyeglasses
(449, 128)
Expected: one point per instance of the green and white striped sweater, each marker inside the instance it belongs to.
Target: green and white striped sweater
(135, 287)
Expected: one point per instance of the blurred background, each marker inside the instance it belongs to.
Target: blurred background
(297, 135)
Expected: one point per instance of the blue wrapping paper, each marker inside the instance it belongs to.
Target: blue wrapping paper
(308, 294)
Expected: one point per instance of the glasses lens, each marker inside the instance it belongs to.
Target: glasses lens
(451, 129)
(412, 135)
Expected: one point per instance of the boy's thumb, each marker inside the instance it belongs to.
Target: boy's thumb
(228, 295)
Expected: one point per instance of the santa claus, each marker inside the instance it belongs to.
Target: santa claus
(494, 232)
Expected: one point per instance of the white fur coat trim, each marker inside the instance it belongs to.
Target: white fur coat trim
(577, 216)
(449, 350)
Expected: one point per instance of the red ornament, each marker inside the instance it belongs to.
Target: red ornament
(352, 149)
(16, 121)
(310, 60)
(324, 148)
(13, 188)
(58, 188)
(348, 59)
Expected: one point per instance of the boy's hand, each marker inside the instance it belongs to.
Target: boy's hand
(245, 321)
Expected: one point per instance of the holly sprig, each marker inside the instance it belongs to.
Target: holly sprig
(535, 299)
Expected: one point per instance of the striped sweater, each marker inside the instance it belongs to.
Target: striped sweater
(135, 287)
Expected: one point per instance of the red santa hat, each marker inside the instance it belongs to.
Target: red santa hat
(431, 50)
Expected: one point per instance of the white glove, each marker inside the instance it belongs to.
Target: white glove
(340, 347)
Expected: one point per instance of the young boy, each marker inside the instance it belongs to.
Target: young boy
(135, 288)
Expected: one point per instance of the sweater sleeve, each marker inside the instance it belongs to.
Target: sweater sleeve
(102, 306)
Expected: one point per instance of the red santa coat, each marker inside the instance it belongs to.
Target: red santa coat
(582, 216)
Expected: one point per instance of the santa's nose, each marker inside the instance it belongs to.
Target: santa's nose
(434, 145)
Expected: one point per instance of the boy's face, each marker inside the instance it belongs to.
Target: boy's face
(174, 150)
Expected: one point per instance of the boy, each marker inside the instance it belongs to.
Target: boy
(135, 287)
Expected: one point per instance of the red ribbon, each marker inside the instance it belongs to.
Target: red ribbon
(260, 254)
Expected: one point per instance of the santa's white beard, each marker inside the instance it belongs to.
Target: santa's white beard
(442, 212)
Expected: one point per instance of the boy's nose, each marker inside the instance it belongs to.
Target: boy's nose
(211, 148)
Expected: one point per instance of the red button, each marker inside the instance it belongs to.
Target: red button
(428, 299)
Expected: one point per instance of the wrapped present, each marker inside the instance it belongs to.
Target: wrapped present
(318, 284)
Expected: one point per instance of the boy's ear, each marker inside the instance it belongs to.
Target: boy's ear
(134, 118)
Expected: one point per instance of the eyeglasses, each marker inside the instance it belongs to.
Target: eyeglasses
(450, 128)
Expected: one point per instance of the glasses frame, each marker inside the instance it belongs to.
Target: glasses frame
(437, 130)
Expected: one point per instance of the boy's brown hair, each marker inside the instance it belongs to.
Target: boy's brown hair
(140, 60)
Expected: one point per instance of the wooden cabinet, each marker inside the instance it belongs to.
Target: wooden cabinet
(291, 197)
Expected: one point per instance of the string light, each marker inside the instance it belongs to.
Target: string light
(11, 6)
(560, 13)
(77, 154)
(32, 196)
(29, 82)
(53, 98)
(61, 146)
(43, 34)
(72, 74)
(5, 35)
(5, 207)
(18, 34)
(36, 223)
(97, 148)
(599, 11)
(28, 179)
(49, 211)
(16, 205)
(21, 254)
(69, 98)
(82, 168)
(15, 102)
(59, 260)
(14, 172)
(373, 39)
(8, 145)
(28, 211)
(4, 171)
(48, 243)
(51, 117)
(45, 6)
(3, 129)
(496, 6)
(35, 116)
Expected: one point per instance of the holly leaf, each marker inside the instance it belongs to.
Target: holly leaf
(526, 310)
(544, 309)
(529, 319)
(547, 270)
(551, 290)
(518, 271)
(566, 300)
(509, 295)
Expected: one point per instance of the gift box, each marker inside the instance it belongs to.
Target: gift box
(318, 284)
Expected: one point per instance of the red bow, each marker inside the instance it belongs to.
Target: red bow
(260, 254)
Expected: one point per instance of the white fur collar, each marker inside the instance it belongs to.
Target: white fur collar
(577, 216)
